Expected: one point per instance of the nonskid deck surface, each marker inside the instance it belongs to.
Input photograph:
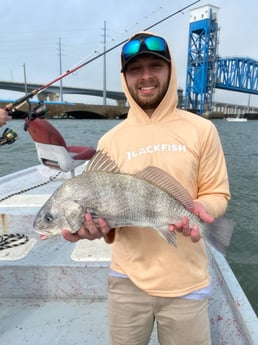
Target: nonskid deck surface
(58, 322)
(57, 293)
(55, 322)
(49, 298)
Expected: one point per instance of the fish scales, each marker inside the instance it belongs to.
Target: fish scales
(130, 199)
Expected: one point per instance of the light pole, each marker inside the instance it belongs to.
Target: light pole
(104, 68)
(25, 79)
(60, 69)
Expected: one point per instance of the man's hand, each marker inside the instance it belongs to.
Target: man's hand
(4, 117)
(183, 224)
(89, 230)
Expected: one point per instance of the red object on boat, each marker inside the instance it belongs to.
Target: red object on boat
(42, 131)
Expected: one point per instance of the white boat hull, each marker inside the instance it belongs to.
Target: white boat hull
(236, 119)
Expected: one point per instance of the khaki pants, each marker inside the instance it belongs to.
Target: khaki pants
(132, 313)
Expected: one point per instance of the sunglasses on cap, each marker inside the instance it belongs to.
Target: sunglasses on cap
(146, 44)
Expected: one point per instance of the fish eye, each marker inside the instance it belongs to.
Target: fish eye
(48, 218)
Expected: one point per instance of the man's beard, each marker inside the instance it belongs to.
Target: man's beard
(148, 102)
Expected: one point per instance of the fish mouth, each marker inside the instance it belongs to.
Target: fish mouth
(44, 237)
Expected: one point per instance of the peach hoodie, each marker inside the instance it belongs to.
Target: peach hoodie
(188, 147)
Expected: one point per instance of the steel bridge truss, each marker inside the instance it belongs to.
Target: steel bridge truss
(201, 65)
(237, 74)
(206, 71)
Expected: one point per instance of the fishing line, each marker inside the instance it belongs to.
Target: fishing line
(119, 36)
(23, 100)
(85, 61)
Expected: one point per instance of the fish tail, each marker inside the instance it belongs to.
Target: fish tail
(220, 233)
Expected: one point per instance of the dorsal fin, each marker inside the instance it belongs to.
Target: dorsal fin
(168, 183)
(101, 162)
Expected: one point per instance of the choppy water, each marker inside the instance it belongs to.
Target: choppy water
(240, 143)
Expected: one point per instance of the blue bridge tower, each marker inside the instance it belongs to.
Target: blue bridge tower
(201, 59)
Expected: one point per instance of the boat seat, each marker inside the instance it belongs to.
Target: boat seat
(51, 147)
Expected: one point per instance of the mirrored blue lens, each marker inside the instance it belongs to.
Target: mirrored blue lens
(151, 43)
(131, 48)
(155, 44)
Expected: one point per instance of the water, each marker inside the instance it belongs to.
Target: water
(240, 143)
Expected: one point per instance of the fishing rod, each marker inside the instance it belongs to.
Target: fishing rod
(11, 107)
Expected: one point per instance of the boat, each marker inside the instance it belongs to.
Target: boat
(55, 292)
(236, 119)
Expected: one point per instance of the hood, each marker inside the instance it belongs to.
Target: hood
(166, 108)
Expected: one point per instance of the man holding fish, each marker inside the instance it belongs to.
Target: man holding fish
(151, 280)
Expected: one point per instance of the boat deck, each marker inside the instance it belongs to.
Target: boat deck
(49, 298)
(54, 292)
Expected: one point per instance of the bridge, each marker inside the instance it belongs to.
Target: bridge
(52, 93)
(206, 70)
(237, 74)
(50, 97)
(80, 110)
(72, 110)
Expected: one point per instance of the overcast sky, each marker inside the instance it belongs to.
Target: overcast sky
(31, 30)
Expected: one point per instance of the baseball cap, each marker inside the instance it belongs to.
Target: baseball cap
(144, 44)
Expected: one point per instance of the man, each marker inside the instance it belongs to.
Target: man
(4, 117)
(150, 279)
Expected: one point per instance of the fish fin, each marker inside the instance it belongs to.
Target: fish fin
(220, 233)
(101, 162)
(169, 236)
(113, 222)
(167, 183)
(71, 212)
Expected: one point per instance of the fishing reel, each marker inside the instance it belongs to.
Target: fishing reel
(8, 137)
(38, 112)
